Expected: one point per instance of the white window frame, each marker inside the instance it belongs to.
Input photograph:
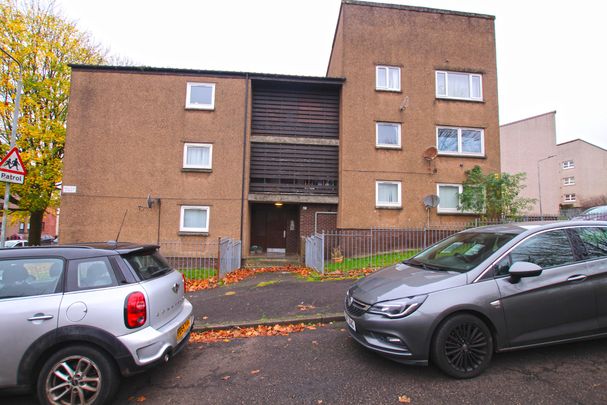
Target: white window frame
(569, 197)
(387, 69)
(197, 145)
(384, 145)
(443, 210)
(446, 95)
(569, 181)
(197, 106)
(568, 164)
(183, 228)
(381, 204)
(459, 142)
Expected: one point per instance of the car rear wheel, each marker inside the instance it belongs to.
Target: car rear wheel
(77, 375)
(462, 346)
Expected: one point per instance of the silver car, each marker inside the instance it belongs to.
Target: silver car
(76, 317)
(488, 289)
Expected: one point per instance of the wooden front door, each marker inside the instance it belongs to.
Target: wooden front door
(272, 227)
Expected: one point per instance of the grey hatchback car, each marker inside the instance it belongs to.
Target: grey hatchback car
(76, 317)
(483, 290)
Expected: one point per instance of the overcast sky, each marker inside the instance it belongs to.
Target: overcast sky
(548, 52)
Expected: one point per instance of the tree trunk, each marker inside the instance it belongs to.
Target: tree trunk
(35, 228)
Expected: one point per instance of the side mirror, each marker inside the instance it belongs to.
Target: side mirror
(523, 269)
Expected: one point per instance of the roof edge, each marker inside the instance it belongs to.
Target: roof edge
(581, 140)
(529, 118)
(418, 9)
(223, 73)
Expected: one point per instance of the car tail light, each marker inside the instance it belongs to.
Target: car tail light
(185, 286)
(135, 310)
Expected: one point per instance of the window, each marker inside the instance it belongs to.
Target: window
(200, 96)
(569, 181)
(197, 155)
(569, 198)
(387, 194)
(28, 277)
(194, 219)
(448, 195)
(95, 273)
(457, 85)
(387, 135)
(594, 241)
(548, 249)
(460, 141)
(567, 164)
(387, 78)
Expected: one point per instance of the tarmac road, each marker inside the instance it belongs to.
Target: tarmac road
(327, 365)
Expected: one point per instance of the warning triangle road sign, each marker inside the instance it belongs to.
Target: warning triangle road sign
(12, 163)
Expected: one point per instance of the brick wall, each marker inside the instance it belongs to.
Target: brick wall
(325, 222)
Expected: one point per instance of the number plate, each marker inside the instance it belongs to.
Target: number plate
(350, 322)
(183, 329)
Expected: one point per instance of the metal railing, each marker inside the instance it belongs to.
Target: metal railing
(315, 253)
(201, 260)
(229, 256)
(344, 250)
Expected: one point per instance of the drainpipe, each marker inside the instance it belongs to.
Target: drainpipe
(321, 213)
(244, 153)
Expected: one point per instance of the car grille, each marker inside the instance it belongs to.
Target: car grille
(355, 307)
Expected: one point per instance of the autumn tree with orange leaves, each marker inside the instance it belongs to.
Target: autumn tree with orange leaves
(45, 43)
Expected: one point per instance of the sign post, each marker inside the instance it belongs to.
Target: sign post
(7, 187)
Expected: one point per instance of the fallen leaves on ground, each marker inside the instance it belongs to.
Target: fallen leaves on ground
(225, 335)
(255, 372)
(140, 398)
(241, 274)
(403, 399)
(304, 307)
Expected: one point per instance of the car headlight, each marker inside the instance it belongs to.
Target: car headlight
(398, 308)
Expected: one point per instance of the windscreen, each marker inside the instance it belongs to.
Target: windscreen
(148, 264)
(460, 252)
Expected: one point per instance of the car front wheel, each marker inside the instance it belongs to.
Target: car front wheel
(462, 346)
(77, 375)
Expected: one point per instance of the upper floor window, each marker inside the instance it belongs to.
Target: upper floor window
(569, 198)
(458, 85)
(387, 78)
(197, 155)
(387, 194)
(194, 219)
(567, 164)
(569, 181)
(460, 141)
(200, 96)
(387, 135)
(448, 195)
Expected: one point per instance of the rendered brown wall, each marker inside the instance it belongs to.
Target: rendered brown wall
(420, 43)
(125, 140)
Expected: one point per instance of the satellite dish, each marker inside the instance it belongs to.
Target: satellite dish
(150, 201)
(430, 153)
(431, 201)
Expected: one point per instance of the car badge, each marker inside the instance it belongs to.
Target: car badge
(175, 288)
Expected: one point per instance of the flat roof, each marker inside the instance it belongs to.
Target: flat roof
(417, 9)
(222, 73)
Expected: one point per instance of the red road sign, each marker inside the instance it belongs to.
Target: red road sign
(11, 168)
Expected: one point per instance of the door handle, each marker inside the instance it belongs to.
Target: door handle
(284, 234)
(40, 317)
(579, 277)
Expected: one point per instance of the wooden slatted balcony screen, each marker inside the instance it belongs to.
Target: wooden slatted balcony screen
(295, 110)
(293, 169)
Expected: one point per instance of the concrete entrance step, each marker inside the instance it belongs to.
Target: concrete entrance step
(270, 261)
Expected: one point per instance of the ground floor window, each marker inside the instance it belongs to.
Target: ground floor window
(388, 194)
(194, 218)
(448, 195)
